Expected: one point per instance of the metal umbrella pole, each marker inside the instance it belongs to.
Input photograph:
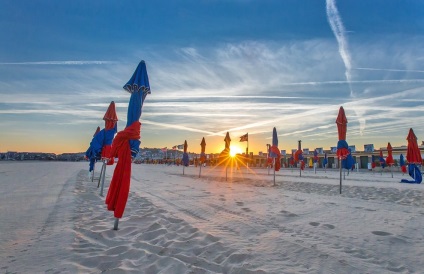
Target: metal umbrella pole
(103, 178)
(340, 167)
(273, 164)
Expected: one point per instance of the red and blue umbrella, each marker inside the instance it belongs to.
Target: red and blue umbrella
(275, 151)
(342, 146)
(298, 157)
(381, 159)
(402, 163)
(413, 156)
(126, 143)
(110, 130)
(93, 152)
(185, 159)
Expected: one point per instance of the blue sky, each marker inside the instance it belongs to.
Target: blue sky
(214, 66)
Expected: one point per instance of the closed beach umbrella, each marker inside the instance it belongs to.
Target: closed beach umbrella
(126, 143)
(325, 162)
(298, 157)
(110, 129)
(202, 154)
(93, 152)
(413, 156)
(202, 151)
(382, 161)
(275, 151)
(402, 163)
(108, 133)
(185, 155)
(389, 158)
(342, 146)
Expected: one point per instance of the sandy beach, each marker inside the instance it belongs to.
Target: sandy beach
(53, 220)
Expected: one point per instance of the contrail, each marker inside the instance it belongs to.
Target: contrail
(61, 63)
(383, 69)
(338, 29)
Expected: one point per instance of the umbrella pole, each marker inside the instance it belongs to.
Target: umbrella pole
(315, 168)
(92, 172)
(183, 169)
(274, 169)
(340, 166)
(391, 171)
(300, 169)
(100, 176)
(115, 225)
(200, 171)
(103, 178)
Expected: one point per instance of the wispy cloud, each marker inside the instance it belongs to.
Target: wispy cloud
(338, 29)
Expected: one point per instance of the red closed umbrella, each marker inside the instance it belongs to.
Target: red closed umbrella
(110, 119)
(342, 146)
(389, 158)
(413, 154)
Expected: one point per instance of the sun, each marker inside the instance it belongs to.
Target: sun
(234, 150)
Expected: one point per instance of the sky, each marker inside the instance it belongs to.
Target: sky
(242, 66)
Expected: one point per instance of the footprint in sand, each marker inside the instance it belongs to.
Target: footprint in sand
(240, 203)
(314, 224)
(381, 233)
(246, 209)
(222, 199)
(328, 226)
(288, 214)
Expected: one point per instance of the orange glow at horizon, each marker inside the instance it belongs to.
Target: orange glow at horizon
(235, 149)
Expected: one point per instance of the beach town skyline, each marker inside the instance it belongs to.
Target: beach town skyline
(214, 67)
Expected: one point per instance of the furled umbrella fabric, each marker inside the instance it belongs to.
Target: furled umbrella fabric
(381, 159)
(110, 130)
(372, 161)
(185, 159)
(402, 163)
(275, 151)
(315, 156)
(349, 162)
(325, 161)
(413, 156)
(389, 158)
(202, 151)
(298, 156)
(93, 152)
(342, 146)
(126, 143)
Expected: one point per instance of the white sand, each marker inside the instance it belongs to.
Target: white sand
(53, 220)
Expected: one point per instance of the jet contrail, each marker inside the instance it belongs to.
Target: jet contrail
(61, 63)
(396, 70)
(338, 29)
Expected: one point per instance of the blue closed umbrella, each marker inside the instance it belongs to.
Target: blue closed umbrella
(127, 143)
(325, 161)
(402, 160)
(139, 87)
